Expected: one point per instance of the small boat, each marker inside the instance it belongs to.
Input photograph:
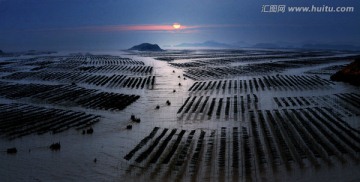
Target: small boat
(55, 146)
(11, 150)
(135, 119)
(90, 130)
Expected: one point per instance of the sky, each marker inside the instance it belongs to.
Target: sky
(120, 24)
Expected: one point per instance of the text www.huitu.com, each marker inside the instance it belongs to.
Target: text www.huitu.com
(306, 9)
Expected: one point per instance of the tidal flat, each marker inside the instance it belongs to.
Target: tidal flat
(179, 115)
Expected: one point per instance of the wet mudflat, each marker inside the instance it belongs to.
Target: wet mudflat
(215, 115)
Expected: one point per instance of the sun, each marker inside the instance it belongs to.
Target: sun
(176, 25)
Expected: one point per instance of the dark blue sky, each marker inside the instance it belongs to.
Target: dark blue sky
(109, 24)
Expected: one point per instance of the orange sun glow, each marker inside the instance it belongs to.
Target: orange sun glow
(176, 25)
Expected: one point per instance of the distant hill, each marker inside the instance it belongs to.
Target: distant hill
(2, 53)
(349, 74)
(146, 47)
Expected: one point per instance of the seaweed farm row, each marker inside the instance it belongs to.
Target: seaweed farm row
(113, 81)
(278, 82)
(197, 71)
(226, 57)
(73, 66)
(346, 104)
(247, 63)
(72, 63)
(104, 60)
(67, 95)
(280, 58)
(41, 85)
(205, 73)
(206, 107)
(116, 68)
(272, 140)
(102, 71)
(17, 120)
(231, 107)
(55, 75)
(74, 60)
(231, 56)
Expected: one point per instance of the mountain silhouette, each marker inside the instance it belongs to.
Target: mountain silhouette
(146, 47)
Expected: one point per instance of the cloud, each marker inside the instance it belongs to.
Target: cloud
(152, 28)
(185, 29)
(122, 28)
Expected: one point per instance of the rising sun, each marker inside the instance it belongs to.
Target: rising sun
(176, 25)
